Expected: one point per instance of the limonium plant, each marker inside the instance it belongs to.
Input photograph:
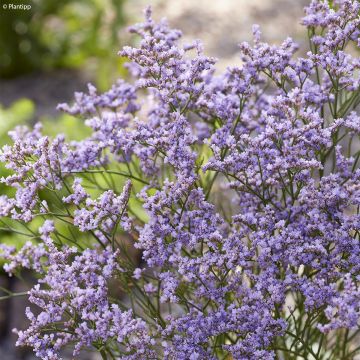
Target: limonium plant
(240, 191)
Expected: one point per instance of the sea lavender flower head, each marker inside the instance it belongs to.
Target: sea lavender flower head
(239, 192)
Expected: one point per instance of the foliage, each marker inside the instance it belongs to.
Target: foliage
(59, 34)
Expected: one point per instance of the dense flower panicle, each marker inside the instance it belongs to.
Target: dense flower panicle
(77, 286)
(249, 189)
(104, 212)
(79, 194)
(38, 163)
(29, 257)
(160, 64)
(172, 138)
(121, 94)
(342, 26)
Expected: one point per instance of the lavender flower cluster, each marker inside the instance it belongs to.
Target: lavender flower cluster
(240, 190)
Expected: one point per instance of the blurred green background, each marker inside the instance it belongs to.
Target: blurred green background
(61, 34)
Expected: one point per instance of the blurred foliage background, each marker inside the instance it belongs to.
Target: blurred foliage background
(62, 34)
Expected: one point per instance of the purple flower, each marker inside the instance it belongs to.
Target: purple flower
(105, 212)
(242, 195)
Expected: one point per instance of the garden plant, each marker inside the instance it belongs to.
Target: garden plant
(240, 191)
